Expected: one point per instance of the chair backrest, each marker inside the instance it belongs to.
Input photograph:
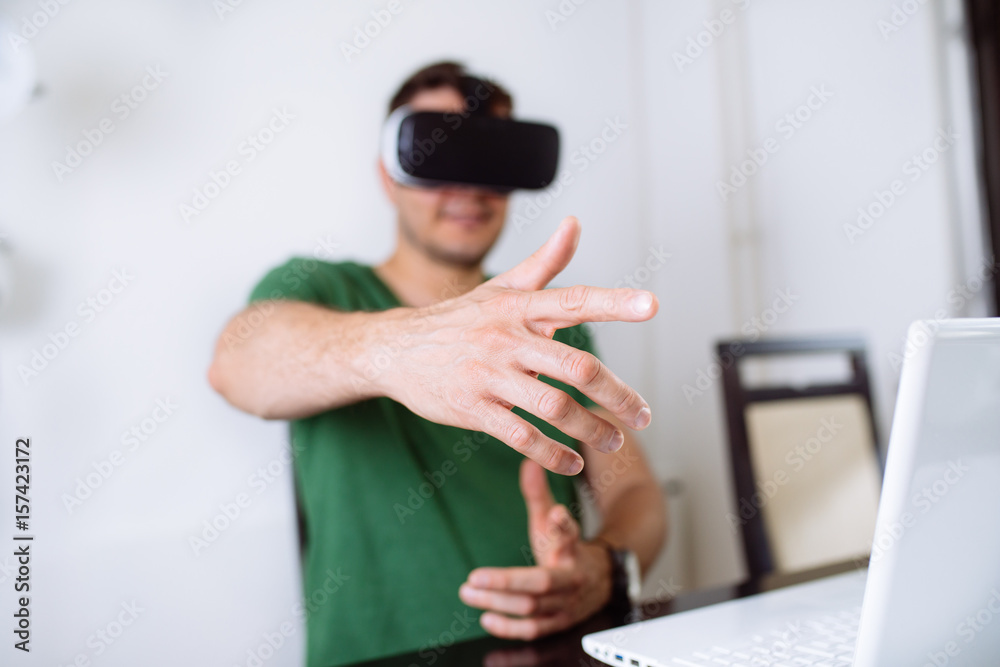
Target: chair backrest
(805, 458)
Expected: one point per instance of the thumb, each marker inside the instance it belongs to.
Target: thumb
(545, 263)
(562, 534)
(552, 531)
(537, 495)
(554, 541)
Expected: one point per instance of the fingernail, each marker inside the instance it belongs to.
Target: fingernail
(642, 303)
(617, 440)
(479, 579)
(576, 467)
(643, 418)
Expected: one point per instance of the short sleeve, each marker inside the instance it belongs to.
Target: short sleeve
(579, 337)
(294, 280)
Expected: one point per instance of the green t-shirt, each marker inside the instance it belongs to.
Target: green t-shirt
(398, 510)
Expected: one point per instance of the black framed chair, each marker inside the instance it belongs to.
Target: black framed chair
(805, 457)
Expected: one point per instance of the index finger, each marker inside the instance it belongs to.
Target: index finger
(535, 580)
(568, 306)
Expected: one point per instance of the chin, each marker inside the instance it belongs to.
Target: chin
(464, 255)
(467, 248)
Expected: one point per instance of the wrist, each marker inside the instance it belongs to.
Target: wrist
(382, 343)
(603, 567)
(626, 582)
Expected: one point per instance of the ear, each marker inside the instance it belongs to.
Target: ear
(389, 186)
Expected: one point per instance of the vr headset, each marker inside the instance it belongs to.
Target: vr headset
(425, 149)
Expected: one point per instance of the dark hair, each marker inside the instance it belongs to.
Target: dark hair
(497, 101)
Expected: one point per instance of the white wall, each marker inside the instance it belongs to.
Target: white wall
(655, 186)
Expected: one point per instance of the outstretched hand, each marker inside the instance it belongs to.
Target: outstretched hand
(468, 361)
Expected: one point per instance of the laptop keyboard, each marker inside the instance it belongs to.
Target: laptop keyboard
(823, 642)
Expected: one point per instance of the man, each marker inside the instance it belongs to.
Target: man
(425, 401)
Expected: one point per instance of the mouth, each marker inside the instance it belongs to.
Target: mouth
(467, 220)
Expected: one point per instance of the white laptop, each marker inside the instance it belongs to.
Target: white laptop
(931, 594)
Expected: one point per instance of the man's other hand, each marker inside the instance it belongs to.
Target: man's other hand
(469, 360)
(570, 581)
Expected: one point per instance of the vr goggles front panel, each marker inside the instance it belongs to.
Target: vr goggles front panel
(428, 149)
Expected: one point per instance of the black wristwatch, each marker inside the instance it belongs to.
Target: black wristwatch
(626, 579)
